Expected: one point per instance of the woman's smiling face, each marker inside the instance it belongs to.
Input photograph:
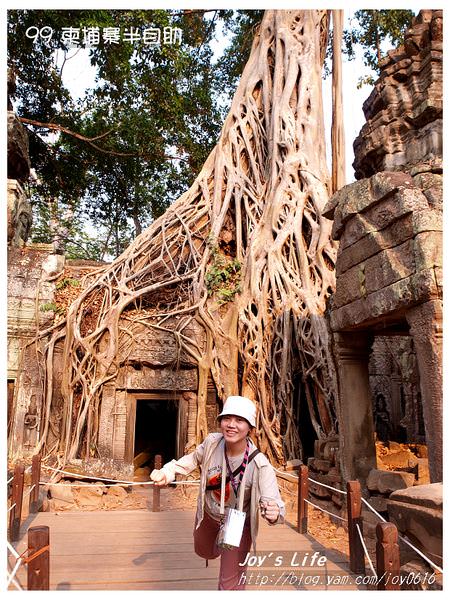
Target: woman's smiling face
(234, 428)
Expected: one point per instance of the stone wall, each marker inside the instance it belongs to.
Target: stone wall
(394, 383)
(389, 263)
(18, 206)
(390, 248)
(404, 110)
(31, 271)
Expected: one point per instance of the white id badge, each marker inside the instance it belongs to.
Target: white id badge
(234, 526)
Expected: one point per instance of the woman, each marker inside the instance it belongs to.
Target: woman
(250, 484)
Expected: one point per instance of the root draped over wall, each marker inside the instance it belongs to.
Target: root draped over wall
(245, 252)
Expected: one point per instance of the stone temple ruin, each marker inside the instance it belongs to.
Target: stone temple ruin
(385, 315)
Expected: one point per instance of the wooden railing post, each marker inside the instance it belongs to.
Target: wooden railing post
(388, 557)
(156, 489)
(15, 514)
(35, 477)
(302, 506)
(38, 576)
(357, 562)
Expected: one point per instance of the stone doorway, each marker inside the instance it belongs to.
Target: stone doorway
(305, 426)
(154, 427)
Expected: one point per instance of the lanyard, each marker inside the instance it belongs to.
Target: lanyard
(241, 484)
(243, 466)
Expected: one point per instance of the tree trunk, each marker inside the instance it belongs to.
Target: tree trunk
(337, 126)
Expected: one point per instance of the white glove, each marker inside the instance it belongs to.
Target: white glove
(159, 477)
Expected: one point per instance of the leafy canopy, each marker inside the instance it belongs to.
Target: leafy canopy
(142, 133)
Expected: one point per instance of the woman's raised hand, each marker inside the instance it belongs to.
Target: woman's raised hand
(159, 477)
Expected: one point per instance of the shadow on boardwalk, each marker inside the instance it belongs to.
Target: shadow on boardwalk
(141, 550)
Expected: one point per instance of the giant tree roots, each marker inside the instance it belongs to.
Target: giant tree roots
(245, 252)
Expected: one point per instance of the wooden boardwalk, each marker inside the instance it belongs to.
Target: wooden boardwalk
(141, 550)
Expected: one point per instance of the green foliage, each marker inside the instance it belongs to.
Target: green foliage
(373, 28)
(66, 282)
(52, 307)
(151, 118)
(66, 227)
(223, 277)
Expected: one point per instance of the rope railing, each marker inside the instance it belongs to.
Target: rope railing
(12, 575)
(119, 483)
(366, 552)
(18, 494)
(358, 549)
(29, 491)
(325, 511)
(404, 539)
(328, 486)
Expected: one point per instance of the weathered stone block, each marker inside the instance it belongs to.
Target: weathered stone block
(154, 378)
(18, 156)
(389, 266)
(318, 448)
(161, 348)
(19, 214)
(428, 250)
(329, 450)
(420, 523)
(378, 503)
(417, 288)
(347, 203)
(370, 522)
(350, 286)
(88, 495)
(53, 505)
(422, 471)
(52, 265)
(415, 575)
(334, 475)
(61, 491)
(319, 491)
(430, 495)
(337, 499)
(114, 497)
(319, 464)
(427, 180)
(117, 492)
(395, 446)
(387, 482)
(376, 241)
(387, 183)
(427, 220)
(401, 458)
(435, 197)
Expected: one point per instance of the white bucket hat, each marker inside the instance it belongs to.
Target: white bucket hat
(241, 407)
